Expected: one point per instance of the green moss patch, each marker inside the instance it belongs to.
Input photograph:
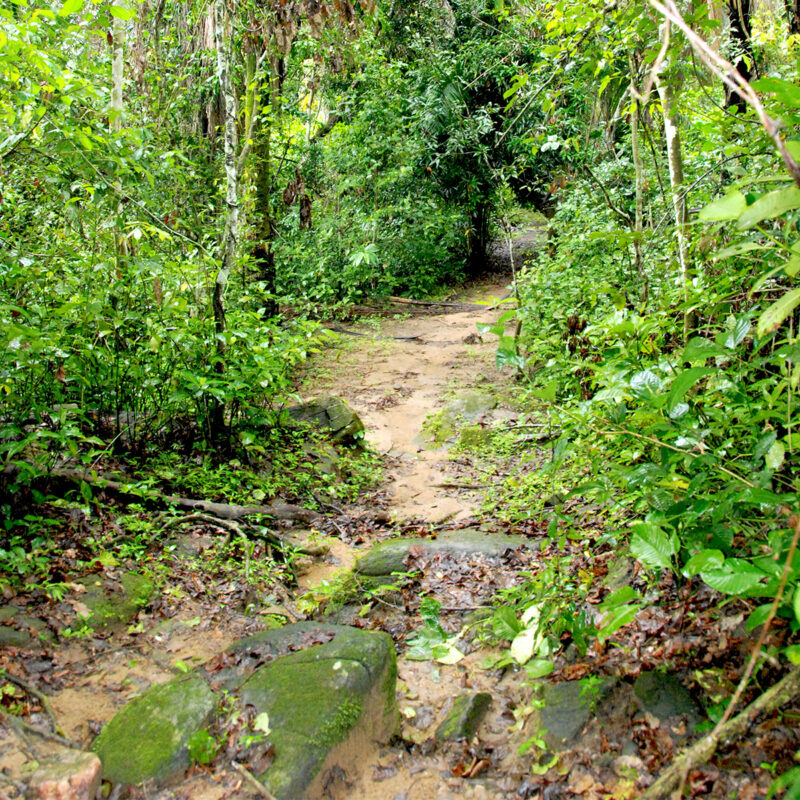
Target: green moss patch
(147, 739)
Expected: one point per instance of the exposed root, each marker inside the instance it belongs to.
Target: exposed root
(699, 753)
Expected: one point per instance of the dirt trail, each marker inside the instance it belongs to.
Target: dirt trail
(395, 385)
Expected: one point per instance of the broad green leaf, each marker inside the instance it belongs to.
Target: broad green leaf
(796, 604)
(685, 381)
(619, 597)
(758, 617)
(775, 455)
(652, 546)
(525, 645)
(261, 723)
(617, 619)
(774, 316)
(699, 349)
(770, 206)
(764, 443)
(738, 249)
(539, 667)
(735, 577)
(735, 337)
(70, 7)
(785, 91)
(703, 561)
(728, 207)
(120, 12)
(645, 384)
(505, 624)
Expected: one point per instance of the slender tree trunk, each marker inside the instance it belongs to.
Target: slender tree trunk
(793, 16)
(262, 252)
(739, 14)
(639, 184)
(222, 41)
(675, 160)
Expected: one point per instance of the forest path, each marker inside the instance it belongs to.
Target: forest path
(395, 385)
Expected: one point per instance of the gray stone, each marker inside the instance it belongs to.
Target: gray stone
(11, 637)
(567, 709)
(665, 697)
(69, 775)
(471, 405)
(326, 704)
(388, 556)
(115, 604)
(464, 717)
(147, 739)
(333, 414)
(26, 630)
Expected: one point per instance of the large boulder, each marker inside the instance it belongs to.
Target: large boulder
(332, 414)
(327, 705)
(148, 738)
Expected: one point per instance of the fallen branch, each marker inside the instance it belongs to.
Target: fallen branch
(253, 781)
(434, 303)
(25, 729)
(227, 525)
(283, 511)
(699, 753)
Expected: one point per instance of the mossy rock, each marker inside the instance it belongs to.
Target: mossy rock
(147, 739)
(333, 414)
(470, 405)
(567, 708)
(113, 605)
(464, 717)
(473, 437)
(389, 556)
(326, 705)
(18, 628)
(665, 697)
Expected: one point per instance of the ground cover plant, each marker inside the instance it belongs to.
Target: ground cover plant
(192, 192)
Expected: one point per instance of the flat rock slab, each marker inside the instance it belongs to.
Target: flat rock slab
(20, 629)
(148, 738)
(387, 557)
(567, 709)
(464, 717)
(327, 705)
(333, 414)
(665, 697)
(114, 603)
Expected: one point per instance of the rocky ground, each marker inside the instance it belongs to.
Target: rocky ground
(342, 684)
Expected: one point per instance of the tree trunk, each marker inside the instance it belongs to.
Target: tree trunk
(793, 16)
(262, 252)
(222, 36)
(675, 159)
(639, 185)
(739, 13)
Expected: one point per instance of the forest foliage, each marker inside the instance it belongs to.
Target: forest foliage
(376, 149)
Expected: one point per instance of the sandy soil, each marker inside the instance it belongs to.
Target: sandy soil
(395, 385)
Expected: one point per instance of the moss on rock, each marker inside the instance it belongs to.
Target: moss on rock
(147, 739)
(118, 604)
(389, 556)
(464, 717)
(319, 698)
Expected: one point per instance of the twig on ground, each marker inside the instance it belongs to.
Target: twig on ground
(253, 781)
(42, 698)
(25, 729)
(227, 525)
